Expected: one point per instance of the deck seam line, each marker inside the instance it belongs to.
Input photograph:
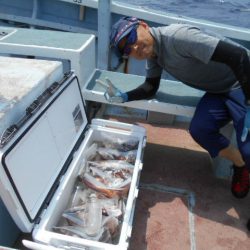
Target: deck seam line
(191, 203)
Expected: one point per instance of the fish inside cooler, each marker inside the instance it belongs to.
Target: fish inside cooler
(92, 201)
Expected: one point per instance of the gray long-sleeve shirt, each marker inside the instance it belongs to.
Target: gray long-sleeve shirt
(185, 51)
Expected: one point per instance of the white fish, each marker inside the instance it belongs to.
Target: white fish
(123, 184)
(76, 209)
(104, 176)
(72, 229)
(114, 154)
(72, 217)
(94, 184)
(121, 144)
(112, 224)
(110, 164)
(78, 231)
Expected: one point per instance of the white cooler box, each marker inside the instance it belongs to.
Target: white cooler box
(42, 162)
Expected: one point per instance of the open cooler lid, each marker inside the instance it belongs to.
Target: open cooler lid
(39, 153)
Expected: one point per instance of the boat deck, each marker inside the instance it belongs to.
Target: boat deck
(181, 205)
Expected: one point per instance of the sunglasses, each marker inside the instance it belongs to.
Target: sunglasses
(130, 40)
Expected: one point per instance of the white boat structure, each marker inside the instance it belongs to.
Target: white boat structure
(41, 41)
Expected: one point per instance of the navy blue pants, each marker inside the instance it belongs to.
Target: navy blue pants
(213, 112)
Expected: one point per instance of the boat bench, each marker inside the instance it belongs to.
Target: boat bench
(173, 98)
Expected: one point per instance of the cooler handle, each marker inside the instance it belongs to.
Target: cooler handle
(37, 246)
(130, 222)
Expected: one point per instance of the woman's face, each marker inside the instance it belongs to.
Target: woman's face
(143, 47)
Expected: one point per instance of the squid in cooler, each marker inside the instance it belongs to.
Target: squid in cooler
(110, 177)
(113, 164)
(111, 171)
(114, 154)
(74, 219)
(98, 186)
(123, 145)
